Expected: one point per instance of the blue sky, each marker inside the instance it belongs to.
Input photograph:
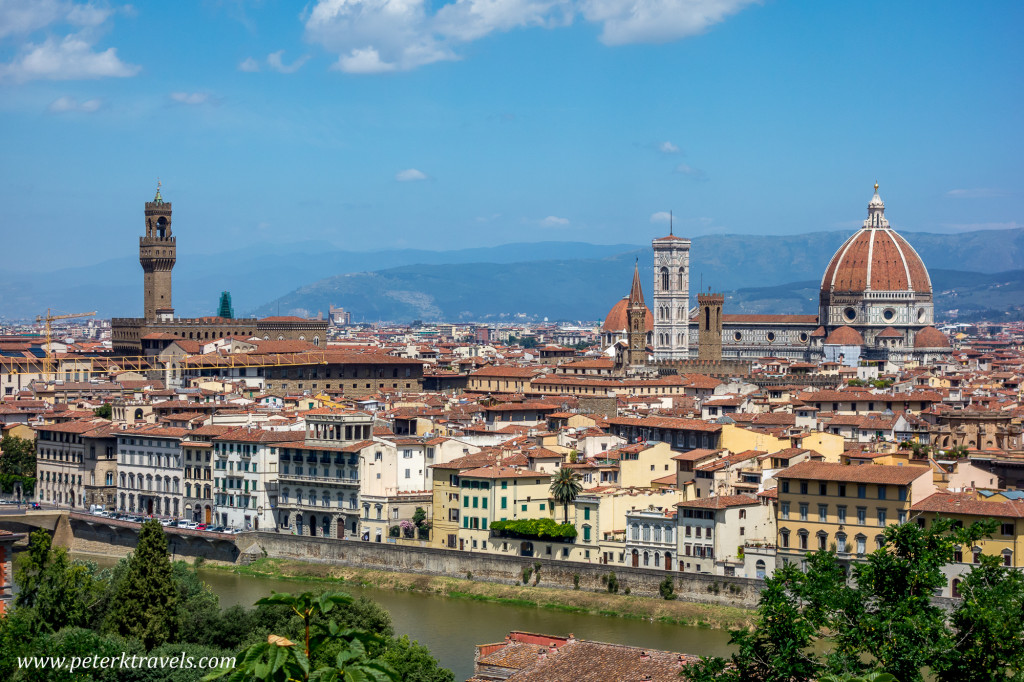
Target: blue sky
(377, 123)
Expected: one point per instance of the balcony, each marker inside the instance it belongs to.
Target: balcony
(317, 480)
(306, 506)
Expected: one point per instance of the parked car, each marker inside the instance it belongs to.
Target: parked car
(201, 526)
(183, 523)
(192, 525)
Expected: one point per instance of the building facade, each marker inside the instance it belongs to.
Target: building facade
(671, 298)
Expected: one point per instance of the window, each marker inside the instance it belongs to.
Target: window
(586, 513)
(881, 492)
(861, 544)
(784, 509)
(842, 490)
(822, 513)
(822, 541)
(803, 539)
(803, 487)
(1007, 558)
(785, 486)
(504, 503)
(524, 507)
(840, 543)
(823, 488)
(958, 555)
(901, 493)
(785, 538)
(881, 517)
(1007, 529)
(901, 516)
(862, 491)
(862, 515)
(803, 511)
(841, 514)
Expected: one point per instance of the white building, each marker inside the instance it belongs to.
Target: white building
(671, 303)
(650, 538)
(712, 532)
(150, 470)
(245, 476)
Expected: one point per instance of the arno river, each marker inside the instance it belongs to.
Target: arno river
(451, 628)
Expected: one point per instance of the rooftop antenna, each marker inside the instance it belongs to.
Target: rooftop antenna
(670, 223)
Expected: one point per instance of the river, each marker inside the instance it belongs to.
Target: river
(452, 627)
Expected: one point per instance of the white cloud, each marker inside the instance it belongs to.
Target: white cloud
(661, 217)
(691, 172)
(366, 60)
(667, 147)
(63, 104)
(192, 98)
(656, 21)
(249, 65)
(71, 58)
(554, 221)
(277, 64)
(410, 175)
(376, 36)
(976, 193)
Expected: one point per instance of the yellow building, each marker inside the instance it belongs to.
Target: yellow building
(447, 497)
(640, 465)
(822, 504)
(1007, 542)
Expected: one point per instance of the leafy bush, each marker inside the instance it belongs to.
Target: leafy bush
(575, 581)
(394, 531)
(527, 572)
(667, 589)
(535, 529)
(612, 582)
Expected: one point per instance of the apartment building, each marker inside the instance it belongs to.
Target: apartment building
(150, 470)
(319, 476)
(712, 532)
(245, 476)
(822, 504)
(67, 456)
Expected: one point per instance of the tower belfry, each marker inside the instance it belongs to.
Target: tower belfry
(157, 254)
(636, 314)
(671, 296)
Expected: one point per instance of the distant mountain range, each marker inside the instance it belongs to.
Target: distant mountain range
(971, 271)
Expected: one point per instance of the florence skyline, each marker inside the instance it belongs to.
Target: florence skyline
(509, 122)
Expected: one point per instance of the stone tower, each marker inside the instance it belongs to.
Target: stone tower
(671, 297)
(157, 255)
(709, 330)
(636, 315)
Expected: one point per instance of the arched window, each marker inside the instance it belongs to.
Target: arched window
(664, 279)
(707, 317)
(759, 569)
(955, 588)
(681, 277)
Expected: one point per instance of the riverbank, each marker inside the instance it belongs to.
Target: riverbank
(567, 601)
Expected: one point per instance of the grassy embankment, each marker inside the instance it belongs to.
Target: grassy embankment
(567, 600)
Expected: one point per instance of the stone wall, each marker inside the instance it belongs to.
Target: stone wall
(118, 538)
(743, 592)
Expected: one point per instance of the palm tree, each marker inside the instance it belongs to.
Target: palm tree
(565, 486)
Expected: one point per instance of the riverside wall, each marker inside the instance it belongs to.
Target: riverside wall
(742, 592)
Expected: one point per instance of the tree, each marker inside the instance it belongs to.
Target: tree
(59, 592)
(145, 605)
(104, 411)
(988, 642)
(778, 649)
(565, 487)
(19, 456)
(280, 659)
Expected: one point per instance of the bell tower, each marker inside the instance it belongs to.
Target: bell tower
(709, 332)
(671, 297)
(636, 314)
(157, 251)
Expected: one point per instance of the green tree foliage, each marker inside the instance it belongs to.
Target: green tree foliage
(666, 589)
(413, 663)
(882, 623)
(145, 603)
(83, 643)
(534, 529)
(280, 659)
(18, 458)
(988, 643)
(419, 517)
(167, 674)
(57, 591)
(566, 485)
(104, 411)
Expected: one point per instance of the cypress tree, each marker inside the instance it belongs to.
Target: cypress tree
(145, 602)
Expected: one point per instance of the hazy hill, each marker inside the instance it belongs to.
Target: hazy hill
(573, 280)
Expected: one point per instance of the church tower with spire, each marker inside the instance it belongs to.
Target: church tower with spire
(636, 314)
(157, 254)
(671, 297)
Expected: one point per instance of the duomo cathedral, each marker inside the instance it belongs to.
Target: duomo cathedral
(875, 303)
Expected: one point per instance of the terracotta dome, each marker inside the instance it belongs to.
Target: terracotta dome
(617, 319)
(845, 336)
(876, 258)
(930, 337)
(889, 333)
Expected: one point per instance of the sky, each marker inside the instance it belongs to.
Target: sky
(374, 124)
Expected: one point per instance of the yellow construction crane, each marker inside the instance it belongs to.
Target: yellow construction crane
(48, 366)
